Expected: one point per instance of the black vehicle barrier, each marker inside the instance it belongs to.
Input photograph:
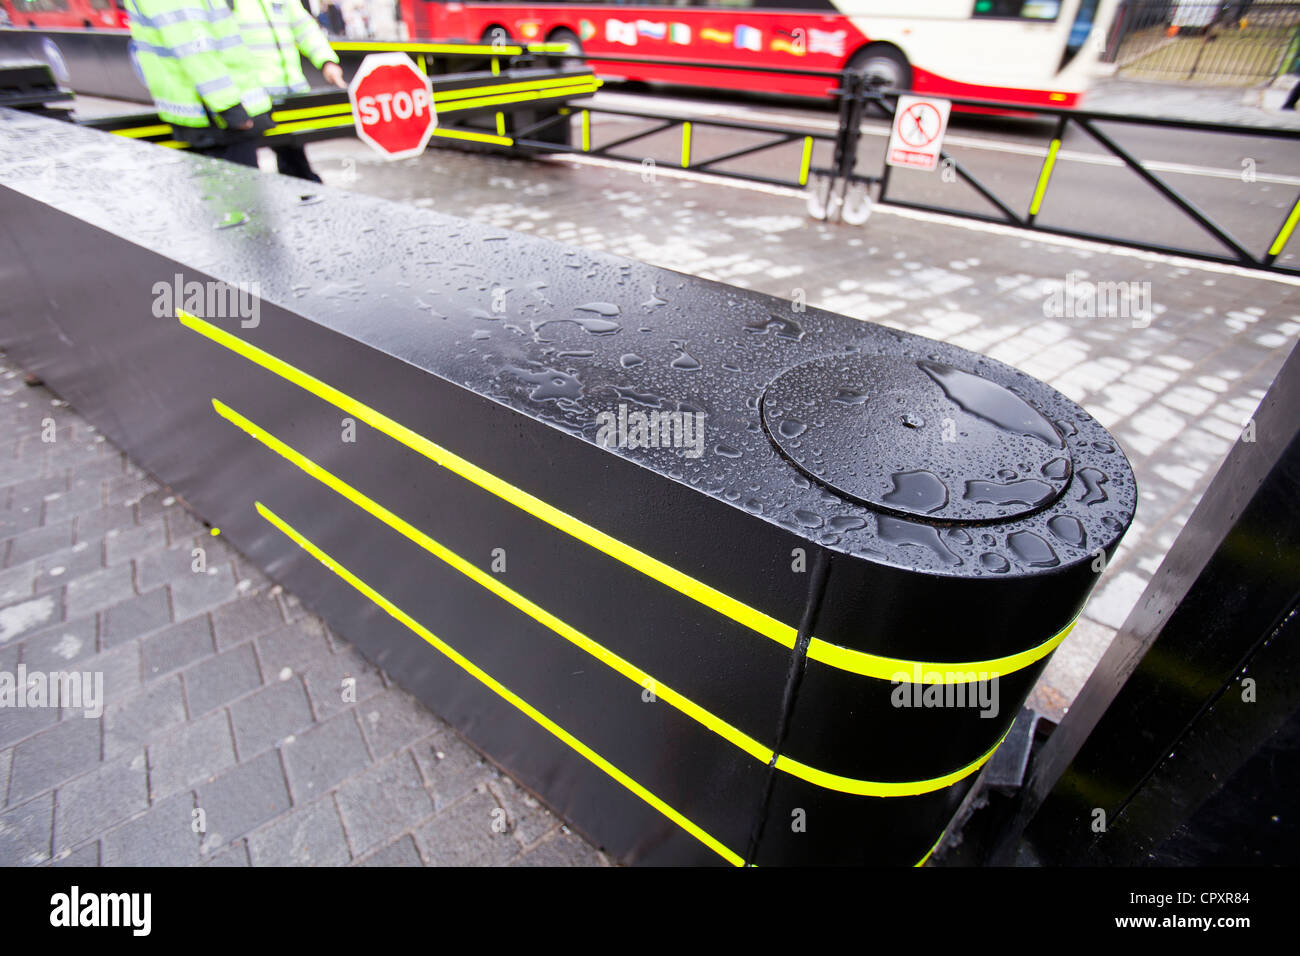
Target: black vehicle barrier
(719, 579)
(483, 108)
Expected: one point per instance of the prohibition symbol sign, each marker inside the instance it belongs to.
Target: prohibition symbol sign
(916, 138)
(920, 124)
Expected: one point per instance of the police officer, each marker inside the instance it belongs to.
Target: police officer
(275, 32)
(203, 80)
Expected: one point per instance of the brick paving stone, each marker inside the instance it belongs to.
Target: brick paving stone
(325, 683)
(264, 719)
(176, 646)
(25, 832)
(29, 614)
(247, 617)
(393, 720)
(323, 756)
(242, 799)
(65, 750)
(136, 617)
(450, 767)
(193, 593)
(402, 852)
(310, 836)
(194, 752)
(236, 855)
(90, 804)
(139, 718)
(298, 646)
(220, 679)
(70, 564)
(162, 837)
(6, 758)
(559, 849)
(60, 647)
(382, 802)
(87, 855)
(470, 833)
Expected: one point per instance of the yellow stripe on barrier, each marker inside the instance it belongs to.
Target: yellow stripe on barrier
(473, 137)
(806, 163)
(311, 112)
(500, 689)
(701, 715)
(496, 89)
(876, 788)
(138, 132)
(903, 671)
(329, 122)
(1044, 175)
(1288, 227)
(586, 131)
(666, 574)
(571, 634)
(471, 104)
(496, 67)
(851, 661)
(501, 123)
(686, 145)
(472, 49)
(173, 144)
(930, 852)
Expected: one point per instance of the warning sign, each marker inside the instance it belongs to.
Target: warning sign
(917, 136)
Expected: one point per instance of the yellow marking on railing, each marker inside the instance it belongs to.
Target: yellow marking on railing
(328, 122)
(930, 852)
(173, 144)
(138, 132)
(473, 137)
(1287, 228)
(311, 112)
(1043, 176)
(806, 163)
(496, 67)
(686, 145)
(586, 131)
(868, 665)
(495, 89)
(422, 64)
(515, 98)
(505, 693)
(501, 123)
(473, 49)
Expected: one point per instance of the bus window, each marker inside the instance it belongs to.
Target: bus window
(1018, 9)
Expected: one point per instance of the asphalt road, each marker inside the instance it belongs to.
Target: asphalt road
(1246, 184)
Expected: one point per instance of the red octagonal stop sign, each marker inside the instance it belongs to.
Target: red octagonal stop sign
(392, 105)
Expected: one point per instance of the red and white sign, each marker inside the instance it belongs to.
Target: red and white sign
(917, 136)
(392, 105)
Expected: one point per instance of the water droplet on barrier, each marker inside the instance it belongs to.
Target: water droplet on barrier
(1069, 529)
(994, 562)
(922, 536)
(1032, 549)
(992, 402)
(843, 523)
(917, 491)
(1093, 479)
(1029, 491)
(631, 360)
(791, 428)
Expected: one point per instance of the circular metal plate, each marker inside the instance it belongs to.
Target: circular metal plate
(916, 438)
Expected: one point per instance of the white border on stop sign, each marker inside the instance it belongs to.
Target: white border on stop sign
(372, 62)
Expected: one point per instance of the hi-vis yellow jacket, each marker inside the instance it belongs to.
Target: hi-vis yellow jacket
(195, 64)
(275, 32)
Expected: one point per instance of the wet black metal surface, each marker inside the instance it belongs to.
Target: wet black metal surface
(506, 350)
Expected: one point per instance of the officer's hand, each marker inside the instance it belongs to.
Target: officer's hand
(333, 73)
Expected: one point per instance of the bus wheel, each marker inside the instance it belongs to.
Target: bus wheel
(495, 35)
(569, 39)
(885, 63)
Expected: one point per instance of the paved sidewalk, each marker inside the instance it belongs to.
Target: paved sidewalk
(226, 739)
(1188, 101)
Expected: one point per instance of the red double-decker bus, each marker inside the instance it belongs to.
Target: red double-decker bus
(1016, 51)
(66, 14)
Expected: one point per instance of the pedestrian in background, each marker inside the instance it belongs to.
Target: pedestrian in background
(203, 80)
(275, 33)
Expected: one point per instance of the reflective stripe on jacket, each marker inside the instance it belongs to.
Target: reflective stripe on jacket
(191, 57)
(275, 33)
